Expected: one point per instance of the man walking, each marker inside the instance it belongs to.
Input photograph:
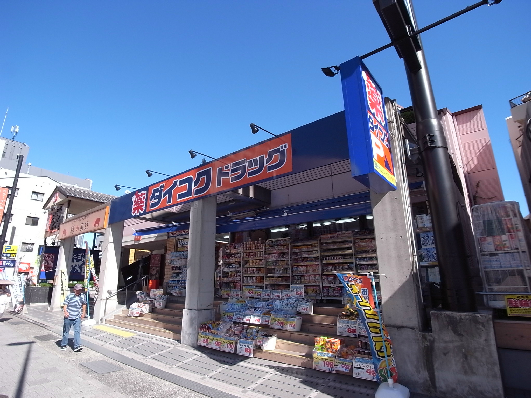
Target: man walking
(74, 309)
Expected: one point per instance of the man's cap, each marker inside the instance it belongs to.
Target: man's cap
(78, 286)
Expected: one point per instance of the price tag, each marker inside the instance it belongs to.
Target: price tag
(245, 348)
(343, 365)
(324, 364)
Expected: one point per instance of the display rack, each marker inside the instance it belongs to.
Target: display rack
(306, 267)
(365, 253)
(503, 250)
(253, 265)
(337, 255)
(177, 261)
(277, 264)
(231, 269)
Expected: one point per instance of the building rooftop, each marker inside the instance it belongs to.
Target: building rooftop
(82, 193)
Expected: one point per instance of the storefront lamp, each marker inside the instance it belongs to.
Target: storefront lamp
(255, 128)
(331, 71)
(193, 154)
(118, 187)
(151, 172)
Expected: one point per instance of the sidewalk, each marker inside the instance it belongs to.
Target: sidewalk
(208, 372)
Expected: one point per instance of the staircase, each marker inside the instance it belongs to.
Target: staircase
(296, 348)
(293, 348)
(161, 322)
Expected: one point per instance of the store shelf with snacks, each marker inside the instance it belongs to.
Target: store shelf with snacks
(231, 269)
(306, 267)
(176, 261)
(277, 264)
(253, 265)
(337, 252)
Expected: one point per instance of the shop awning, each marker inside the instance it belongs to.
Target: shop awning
(340, 207)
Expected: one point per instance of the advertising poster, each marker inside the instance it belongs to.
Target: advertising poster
(518, 304)
(359, 288)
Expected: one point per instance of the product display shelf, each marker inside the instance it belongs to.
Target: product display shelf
(306, 267)
(502, 242)
(277, 264)
(337, 255)
(231, 269)
(365, 253)
(177, 259)
(253, 265)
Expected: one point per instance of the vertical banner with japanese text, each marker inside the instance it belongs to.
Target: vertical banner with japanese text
(359, 289)
(367, 129)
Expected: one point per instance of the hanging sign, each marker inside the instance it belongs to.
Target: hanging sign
(257, 163)
(367, 129)
(87, 223)
(3, 198)
(359, 289)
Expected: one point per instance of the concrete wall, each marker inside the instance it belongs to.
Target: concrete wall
(458, 357)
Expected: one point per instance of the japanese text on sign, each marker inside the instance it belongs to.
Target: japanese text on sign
(381, 147)
(518, 304)
(263, 161)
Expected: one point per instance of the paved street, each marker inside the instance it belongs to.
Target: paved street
(32, 365)
(120, 363)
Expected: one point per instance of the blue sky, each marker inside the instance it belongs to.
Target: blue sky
(107, 89)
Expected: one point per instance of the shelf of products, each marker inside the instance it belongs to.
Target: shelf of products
(231, 269)
(503, 250)
(337, 255)
(306, 267)
(365, 253)
(277, 264)
(177, 259)
(253, 266)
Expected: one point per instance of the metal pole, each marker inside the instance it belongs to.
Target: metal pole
(451, 253)
(7, 214)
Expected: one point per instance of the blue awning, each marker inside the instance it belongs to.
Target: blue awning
(344, 206)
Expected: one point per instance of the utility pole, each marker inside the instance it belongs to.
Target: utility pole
(399, 20)
(7, 214)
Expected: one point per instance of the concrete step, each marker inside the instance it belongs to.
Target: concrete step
(174, 306)
(308, 339)
(158, 317)
(292, 347)
(322, 319)
(322, 329)
(145, 329)
(144, 321)
(331, 311)
(286, 357)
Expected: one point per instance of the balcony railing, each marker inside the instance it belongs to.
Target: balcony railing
(520, 99)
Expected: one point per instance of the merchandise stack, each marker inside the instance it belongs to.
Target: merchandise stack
(177, 259)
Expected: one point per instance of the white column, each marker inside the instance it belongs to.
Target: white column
(64, 264)
(110, 264)
(199, 304)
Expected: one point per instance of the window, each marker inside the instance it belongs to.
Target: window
(33, 221)
(9, 192)
(26, 247)
(37, 196)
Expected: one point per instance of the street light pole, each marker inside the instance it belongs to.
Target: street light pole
(399, 20)
(7, 214)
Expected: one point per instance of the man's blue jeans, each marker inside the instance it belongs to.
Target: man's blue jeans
(77, 330)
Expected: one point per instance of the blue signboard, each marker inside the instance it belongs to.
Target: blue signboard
(367, 130)
(8, 263)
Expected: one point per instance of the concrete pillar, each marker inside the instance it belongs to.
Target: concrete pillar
(401, 300)
(64, 264)
(110, 263)
(199, 304)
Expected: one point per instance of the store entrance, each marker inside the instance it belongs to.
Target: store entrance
(267, 263)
